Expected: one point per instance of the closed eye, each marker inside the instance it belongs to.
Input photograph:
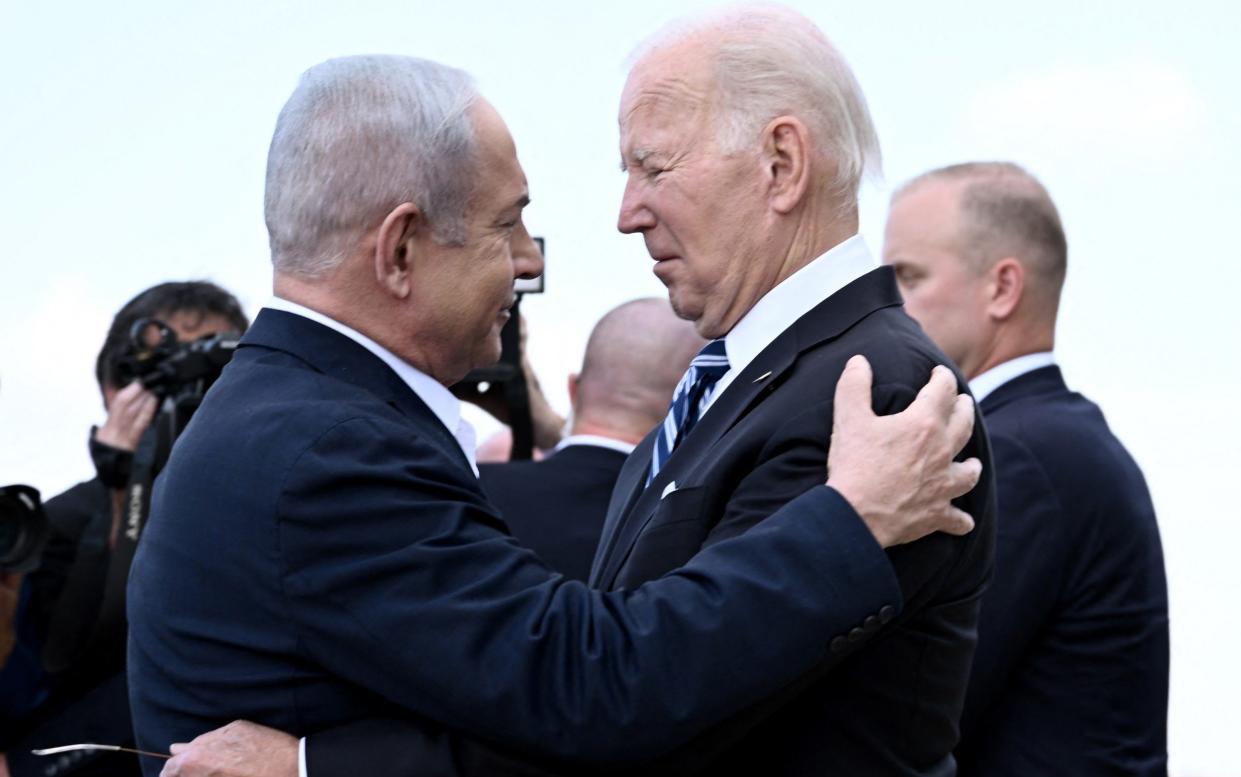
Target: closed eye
(907, 275)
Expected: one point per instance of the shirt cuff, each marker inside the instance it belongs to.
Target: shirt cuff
(301, 757)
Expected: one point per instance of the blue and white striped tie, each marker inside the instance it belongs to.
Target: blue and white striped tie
(693, 392)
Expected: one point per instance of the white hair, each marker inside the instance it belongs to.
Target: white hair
(358, 137)
(772, 61)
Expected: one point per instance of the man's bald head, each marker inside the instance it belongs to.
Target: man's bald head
(634, 358)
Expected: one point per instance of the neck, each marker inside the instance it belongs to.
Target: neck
(1009, 344)
(367, 314)
(815, 234)
(623, 432)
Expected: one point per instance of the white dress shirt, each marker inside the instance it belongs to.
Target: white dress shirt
(443, 404)
(793, 298)
(1003, 372)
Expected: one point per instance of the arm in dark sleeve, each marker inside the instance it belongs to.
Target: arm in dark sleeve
(432, 608)
(387, 747)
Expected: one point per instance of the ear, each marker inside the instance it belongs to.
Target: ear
(1007, 284)
(786, 160)
(573, 380)
(394, 248)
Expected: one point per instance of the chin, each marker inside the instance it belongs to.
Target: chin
(684, 308)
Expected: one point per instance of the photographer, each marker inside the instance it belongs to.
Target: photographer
(74, 600)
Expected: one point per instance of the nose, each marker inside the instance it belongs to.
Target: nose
(634, 215)
(527, 258)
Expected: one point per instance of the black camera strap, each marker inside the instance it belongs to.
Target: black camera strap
(110, 627)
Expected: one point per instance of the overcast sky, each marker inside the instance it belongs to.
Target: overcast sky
(133, 138)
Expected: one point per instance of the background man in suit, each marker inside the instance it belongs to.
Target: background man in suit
(319, 548)
(634, 357)
(745, 137)
(1071, 673)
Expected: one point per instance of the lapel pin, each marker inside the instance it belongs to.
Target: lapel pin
(764, 376)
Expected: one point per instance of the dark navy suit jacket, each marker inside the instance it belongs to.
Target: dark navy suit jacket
(887, 699)
(556, 506)
(1071, 674)
(319, 550)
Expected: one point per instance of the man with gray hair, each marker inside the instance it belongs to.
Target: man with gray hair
(319, 548)
(1071, 673)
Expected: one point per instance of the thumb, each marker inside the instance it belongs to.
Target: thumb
(853, 389)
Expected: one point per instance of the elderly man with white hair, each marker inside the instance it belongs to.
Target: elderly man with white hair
(745, 137)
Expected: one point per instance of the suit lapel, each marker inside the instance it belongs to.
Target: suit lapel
(760, 378)
(629, 486)
(331, 353)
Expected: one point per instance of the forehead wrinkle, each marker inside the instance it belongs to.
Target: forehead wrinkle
(674, 92)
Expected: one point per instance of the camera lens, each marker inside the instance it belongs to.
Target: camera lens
(23, 528)
(10, 524)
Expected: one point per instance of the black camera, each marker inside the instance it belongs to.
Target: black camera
(172, 369)
(23, 528)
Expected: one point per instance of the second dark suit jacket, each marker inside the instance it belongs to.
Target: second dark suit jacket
(556, 506)
(319, 550)
(1071, 674)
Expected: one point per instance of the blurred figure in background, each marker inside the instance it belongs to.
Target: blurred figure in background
(69, 615)
(635, 355)
(1071, 673)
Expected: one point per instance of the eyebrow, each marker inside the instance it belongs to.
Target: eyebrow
(640, 156)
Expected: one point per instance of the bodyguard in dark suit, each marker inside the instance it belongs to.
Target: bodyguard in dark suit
(1071, 674)
(634, 357)
(319, 548)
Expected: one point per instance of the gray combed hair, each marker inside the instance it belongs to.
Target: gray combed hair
(359, 136)
(772, 61)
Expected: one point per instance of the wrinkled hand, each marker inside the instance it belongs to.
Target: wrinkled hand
(240, 749)
(897, 470)
(130, 414)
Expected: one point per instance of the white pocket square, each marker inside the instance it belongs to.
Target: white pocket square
(668, 489)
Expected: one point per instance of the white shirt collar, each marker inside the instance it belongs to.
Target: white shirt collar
(443, 404)
(793, 298)
(595, 440)
(1003, 372)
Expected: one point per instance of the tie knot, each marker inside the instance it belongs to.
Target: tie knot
(711, 360)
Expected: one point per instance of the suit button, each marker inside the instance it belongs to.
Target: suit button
(838, 644)
(856, 634)
(886, 613)
(871, 624)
